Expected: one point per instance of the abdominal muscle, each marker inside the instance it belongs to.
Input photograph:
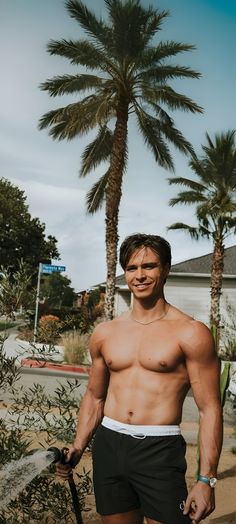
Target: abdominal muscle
(146, 398)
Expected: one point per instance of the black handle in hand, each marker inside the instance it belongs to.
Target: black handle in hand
(60, 456)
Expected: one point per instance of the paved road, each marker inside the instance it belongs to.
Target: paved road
(50, 379)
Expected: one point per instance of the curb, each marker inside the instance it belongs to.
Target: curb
(30, 363)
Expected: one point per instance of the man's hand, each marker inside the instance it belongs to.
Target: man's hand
(72, 458)
(200, 502)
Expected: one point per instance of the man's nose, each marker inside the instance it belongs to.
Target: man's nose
(140, 274)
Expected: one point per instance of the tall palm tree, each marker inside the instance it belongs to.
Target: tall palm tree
(132, 76)
(214, 195)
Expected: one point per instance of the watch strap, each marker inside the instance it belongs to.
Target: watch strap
(206, 480)
(211, 481)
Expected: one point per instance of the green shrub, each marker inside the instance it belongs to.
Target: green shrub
(37, 419)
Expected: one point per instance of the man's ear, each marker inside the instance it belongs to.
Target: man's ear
(166, 271)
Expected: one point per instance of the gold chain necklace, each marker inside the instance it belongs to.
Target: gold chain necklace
(151, 321)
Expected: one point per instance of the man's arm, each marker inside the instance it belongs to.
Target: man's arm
(204, 373)
(92, 405)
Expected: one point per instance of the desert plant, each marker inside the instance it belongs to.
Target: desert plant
(75, 347)
(49, 329)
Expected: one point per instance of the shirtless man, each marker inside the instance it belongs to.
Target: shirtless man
(143, 364)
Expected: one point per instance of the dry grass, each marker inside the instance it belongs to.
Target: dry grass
(75, 347)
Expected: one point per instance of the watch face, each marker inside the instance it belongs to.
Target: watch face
(212, 482)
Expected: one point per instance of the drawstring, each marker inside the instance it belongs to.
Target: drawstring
(136, 435)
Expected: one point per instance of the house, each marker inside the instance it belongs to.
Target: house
(188, 286)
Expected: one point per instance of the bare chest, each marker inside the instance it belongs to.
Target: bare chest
(150, 349)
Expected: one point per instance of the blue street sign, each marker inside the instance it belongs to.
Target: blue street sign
(48, 268)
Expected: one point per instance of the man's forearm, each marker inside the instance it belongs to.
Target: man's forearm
(90, 416)
(210, 440)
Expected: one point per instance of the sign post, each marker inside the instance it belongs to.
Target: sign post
(47, 269)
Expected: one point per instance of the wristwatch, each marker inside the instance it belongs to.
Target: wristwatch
(211, 481)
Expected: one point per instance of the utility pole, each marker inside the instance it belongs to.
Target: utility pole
(37, 303)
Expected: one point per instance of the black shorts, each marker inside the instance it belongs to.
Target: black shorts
(146, 474)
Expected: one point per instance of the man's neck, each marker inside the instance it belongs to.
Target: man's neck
(146, 310)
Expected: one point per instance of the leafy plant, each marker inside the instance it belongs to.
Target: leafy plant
(33, 415)
(16, 289)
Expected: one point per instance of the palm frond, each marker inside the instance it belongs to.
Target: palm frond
(153, 55)
(187, 182)
(187, 197)
(94, 28)
(96, 195)
(76, 119)
(193, 231)
(133, 27)
(99, 150)
(78, 52)
(152, 138)
(166, 126)
(153, 24)
(51, 118)
(161, 114)
(178, 101)
(161, 74)
(203, 214)
(205, 232)
(217, 168)
(231, 224)
(176, 138)
(66, 84)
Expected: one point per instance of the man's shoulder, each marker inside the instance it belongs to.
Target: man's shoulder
(107, 326)
(188, 327)
(178, 315)
(187, 320)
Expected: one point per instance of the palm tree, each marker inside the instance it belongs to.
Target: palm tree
(214, 195)
(132, 76)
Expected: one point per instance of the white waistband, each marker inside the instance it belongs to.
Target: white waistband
(139, 431)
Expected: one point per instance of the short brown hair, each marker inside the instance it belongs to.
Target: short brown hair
(155, 242)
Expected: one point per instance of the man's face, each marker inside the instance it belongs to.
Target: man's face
(144, 273)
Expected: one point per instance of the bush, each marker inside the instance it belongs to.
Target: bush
(75, 347)
(34, 416)
(49, 329)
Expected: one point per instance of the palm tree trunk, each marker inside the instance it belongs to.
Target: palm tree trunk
(216, 286)
(113, 196)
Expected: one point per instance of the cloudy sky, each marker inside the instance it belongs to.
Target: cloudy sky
(48, 171)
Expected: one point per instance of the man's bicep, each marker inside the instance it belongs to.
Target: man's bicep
(98, 378)
(203, 367)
